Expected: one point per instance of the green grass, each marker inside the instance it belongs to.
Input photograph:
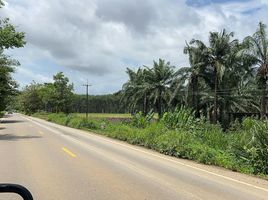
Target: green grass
(198, 140)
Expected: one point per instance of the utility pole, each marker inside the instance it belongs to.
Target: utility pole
(87, 85)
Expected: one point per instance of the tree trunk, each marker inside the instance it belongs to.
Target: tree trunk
(223, 117)
(195, 98)
(145, 105)
(263, 99)
(159, 108)
(215, 114)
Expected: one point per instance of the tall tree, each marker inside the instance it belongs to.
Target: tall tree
(63, 93)
(159, 79)
(9, 38)
(7, 84)
(136, 90)
(198, 60)
(257, 46)
(30, 99)
(220, 46)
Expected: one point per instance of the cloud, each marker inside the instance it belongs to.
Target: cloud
(98, 39)
(137, 15)
(31, 76)
(198, 3)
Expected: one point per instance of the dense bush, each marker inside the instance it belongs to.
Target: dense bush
(180, 118)
(252, 146)
(2, 113)
(140, 120)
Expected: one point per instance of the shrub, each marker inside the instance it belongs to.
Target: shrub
(141, 121)
(252, 146)
(88, 124)
(75, 122)
(180, 118)
(212, 135)
(68, 118)
(2, 113)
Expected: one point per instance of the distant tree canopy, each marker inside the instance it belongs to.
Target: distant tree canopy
(52, 97)
(31, 98)
(9, 39)
(59, 97)
(110, 103)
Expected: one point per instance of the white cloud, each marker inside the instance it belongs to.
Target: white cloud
(31, 76)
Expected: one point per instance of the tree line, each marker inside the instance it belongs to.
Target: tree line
(59, 96)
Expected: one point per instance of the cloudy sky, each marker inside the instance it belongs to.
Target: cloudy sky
(98, 39)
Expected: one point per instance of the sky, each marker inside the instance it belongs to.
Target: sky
(98, 39)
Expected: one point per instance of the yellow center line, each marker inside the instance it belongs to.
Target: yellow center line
(68, 152)
(42, 133)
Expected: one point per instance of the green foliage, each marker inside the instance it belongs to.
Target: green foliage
(9, 39)
(180, 118)
(63, 93)
(252, 147)
(30, 99)
(257, 48)
(88, 124)
(109, 103)
(149, 87)
(7, 84)
(56, 96)
(140, 120)
(221, 83)
(2, 113)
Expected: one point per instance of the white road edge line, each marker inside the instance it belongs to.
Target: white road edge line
(162, 157)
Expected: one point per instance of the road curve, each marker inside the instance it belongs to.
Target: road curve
(60, 163)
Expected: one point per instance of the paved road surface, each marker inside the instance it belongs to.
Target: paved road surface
(60, 163)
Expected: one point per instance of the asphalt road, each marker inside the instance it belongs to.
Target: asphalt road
(61, 163)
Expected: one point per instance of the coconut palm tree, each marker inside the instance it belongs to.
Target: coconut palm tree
(257, 46)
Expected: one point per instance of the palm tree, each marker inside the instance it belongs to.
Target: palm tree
(232, 93)
(257, 46)
(216, 55)
(179, 88)
(197, 59)
(159, 80)
(135, 91)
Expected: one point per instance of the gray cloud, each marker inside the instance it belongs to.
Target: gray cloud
(135, 14)
(98, 39)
